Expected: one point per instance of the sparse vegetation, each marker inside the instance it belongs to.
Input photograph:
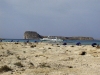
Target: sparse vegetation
(32, 46)
(57, 44)
(72, 46)
(43, 65)
(2, 47)
(18, 57)
(70, 66)
(83, 53)
(16, 43)
(5, 68)
(29, 43)
(98, 47)
(19, 64)
(25, 43)
(24, 51)
(9, 53)
(49, 48)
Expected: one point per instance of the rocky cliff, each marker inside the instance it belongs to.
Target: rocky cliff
(31, 35)
(35, 35)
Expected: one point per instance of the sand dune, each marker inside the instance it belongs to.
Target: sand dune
(48, 59)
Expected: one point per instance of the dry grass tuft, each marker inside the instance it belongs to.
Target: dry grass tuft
(83, 53)
(5, 68)
(43, 65)
(2, 47)
(32, 46)
(16, 43)
(98, 47)
(49, 48)
(19, 64)
(72, 46)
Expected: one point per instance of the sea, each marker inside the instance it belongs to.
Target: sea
(69, 42)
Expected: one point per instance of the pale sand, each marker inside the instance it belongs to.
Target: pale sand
(48, 59)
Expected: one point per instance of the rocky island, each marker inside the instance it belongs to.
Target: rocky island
(31, 35)
(35, 35)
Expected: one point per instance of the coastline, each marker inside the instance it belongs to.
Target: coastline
(69, 42)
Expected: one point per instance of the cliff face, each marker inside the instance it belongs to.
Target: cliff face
(31, 35)
(35, 35)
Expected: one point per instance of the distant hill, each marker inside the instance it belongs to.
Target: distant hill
(72, 38)
(35, 35)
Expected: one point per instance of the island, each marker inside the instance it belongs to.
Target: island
(35, 35)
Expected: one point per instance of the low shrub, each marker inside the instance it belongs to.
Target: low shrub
(32, 46)
(49, 48)
(83, 53)
(43, 65)
(72, 46)
(19, 64)
(5, 68)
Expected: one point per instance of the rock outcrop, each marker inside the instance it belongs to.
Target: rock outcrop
(35, 35)
(31, 35)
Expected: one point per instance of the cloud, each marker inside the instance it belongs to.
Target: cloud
(41, 7)
(54, 17)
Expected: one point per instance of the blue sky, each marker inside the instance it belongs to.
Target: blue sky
(50, 17)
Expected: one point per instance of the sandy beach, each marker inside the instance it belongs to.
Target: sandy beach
(48, 59)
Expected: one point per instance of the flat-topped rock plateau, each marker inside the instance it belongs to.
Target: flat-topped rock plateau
(48, 59)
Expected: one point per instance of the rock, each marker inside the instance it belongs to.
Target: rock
(94, 44)
(31, 35)
(35, 35)
(64, 43)
(78, 43)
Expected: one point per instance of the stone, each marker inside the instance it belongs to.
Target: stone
(31, 35)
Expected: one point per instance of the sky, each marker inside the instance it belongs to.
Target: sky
(50, 17)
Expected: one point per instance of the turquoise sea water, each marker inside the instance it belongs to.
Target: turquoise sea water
(70, 42)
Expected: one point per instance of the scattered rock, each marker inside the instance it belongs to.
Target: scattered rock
(94, 44)
(83, 53)
(64, 43)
